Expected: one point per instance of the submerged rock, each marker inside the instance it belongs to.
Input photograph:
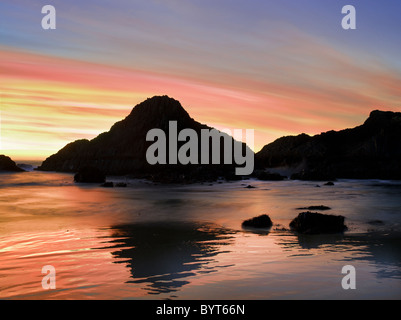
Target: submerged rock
(89, 174)
(262, 221)
(330, 183)
(316, 223)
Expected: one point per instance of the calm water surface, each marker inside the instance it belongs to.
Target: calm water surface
(186, 242)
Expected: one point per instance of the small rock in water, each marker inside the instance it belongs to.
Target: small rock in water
(329, 183)
(262, 221)
(249, 187)
(316, 223)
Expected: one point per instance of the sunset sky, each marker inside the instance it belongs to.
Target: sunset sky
(279, 67)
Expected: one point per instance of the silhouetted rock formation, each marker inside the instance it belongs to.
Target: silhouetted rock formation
(262, 221)
(316, 223)
(6, 164)
(122, 150)
(369, 151)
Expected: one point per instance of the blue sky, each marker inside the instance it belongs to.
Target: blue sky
(85, 26)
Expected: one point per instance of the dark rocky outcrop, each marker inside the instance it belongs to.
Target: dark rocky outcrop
(262, 221)
(122, 150)
(317, 223)
(6, 164)
(88, 174)
(369, 151)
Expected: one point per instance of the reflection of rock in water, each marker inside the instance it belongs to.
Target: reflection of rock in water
(164, 254)
(381, 249)
(316, 241)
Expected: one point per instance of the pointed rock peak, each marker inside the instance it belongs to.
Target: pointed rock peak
(160, 107)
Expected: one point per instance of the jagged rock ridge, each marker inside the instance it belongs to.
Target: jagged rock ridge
(369, 151)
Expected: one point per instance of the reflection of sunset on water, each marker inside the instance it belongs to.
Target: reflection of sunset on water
(82, 265)
(186, 242)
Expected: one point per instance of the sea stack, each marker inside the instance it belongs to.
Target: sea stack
(122, 150)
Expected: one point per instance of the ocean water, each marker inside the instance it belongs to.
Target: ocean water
(151, 241)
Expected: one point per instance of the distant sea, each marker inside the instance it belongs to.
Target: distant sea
(149, 241)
